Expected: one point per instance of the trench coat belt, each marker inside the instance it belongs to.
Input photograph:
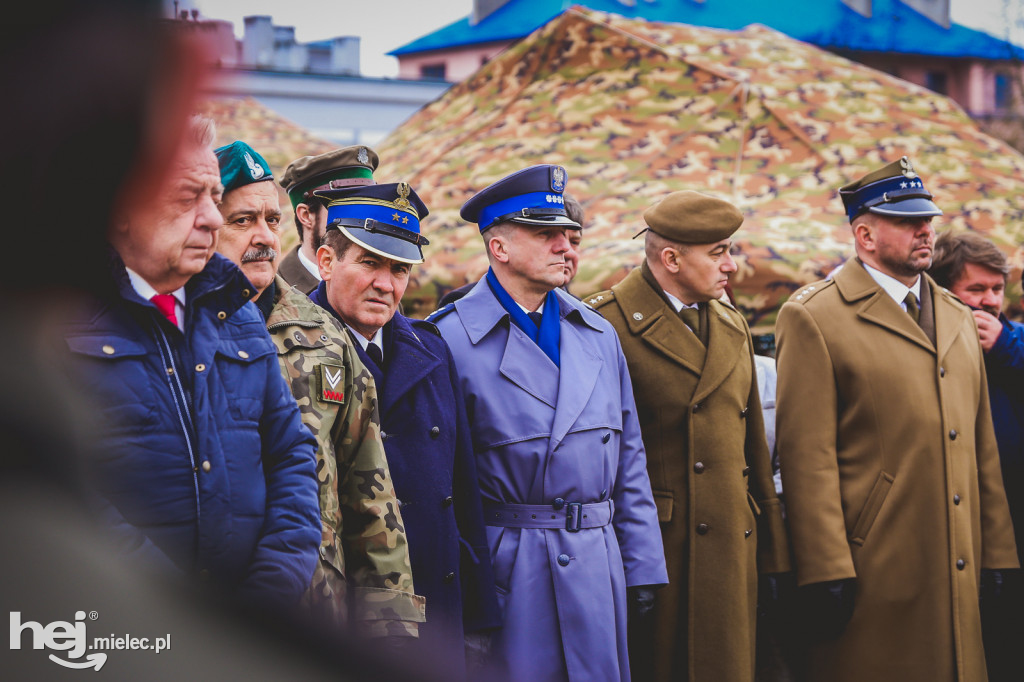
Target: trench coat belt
(572, 517)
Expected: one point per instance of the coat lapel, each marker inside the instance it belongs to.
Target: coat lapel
(522, 362)
(856, 284)
(581, 366)
(949, 319)
(648, 316)
(725, 345)
(408, 362)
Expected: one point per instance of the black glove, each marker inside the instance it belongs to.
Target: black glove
(827, 608)
(640, 599)
(991, 588)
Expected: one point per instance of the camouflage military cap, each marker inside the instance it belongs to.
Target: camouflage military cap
(337, 169)
(693, 218)
(895, 190)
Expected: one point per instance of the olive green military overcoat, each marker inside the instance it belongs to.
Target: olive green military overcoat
(891, 476)
(711, 474)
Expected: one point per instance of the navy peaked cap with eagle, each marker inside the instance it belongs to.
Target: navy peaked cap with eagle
(531, 196)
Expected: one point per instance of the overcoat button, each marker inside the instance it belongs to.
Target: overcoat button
(449, 578)
(200, 367)
(222, 315)
(960, 563)
(746, 471)
(606, 437)
(702, 529)
(242, 354)
(383, 435)
(206, 465)
(449, 501)
(638, 316)
(696, 407)
(942, 372)
(435, 432)
(699, 467)
(956, 499)
(108, 349)
(245, 293)
(558, 503)
(952, 434)
(743, 412)
(748, 532)
(563, 559)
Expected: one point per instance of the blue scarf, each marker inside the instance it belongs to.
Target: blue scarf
(547, 336)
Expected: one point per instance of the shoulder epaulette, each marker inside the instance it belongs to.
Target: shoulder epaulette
(601, 298)
(425, 324)
(807, 292)
(440, 312)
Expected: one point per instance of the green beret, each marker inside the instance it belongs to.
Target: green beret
(693, 218)
(240, 165)
(346, 167)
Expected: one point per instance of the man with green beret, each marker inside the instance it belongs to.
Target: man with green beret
(889, 463)
(691, 363)
(363, 577)
(348, 167)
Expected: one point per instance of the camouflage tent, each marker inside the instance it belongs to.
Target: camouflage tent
(637, 109)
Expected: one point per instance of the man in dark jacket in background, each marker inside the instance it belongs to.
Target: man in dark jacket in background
(974, 269)
(205, 466)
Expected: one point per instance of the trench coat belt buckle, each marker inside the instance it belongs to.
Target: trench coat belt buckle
(574, 517)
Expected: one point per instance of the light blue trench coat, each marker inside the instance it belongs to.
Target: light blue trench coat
(553, 438)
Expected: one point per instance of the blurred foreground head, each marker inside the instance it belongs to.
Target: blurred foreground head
(104, 92)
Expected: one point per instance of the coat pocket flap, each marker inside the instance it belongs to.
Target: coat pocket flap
(664, 502)
(105, 346)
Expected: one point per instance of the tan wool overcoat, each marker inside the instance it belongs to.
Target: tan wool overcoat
(890, 476)
(710, 470)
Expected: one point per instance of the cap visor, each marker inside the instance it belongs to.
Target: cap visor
(918, 207)
(384, 245)
(548, 220)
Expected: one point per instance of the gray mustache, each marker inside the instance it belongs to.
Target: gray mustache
(259, 254)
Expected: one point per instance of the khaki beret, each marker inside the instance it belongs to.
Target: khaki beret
(346, 167)
(693, 218)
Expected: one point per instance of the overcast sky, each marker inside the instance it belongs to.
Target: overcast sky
(384, 25)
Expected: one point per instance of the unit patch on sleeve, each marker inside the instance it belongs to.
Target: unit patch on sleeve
(330, 381)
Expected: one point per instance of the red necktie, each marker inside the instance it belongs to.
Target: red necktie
(165, 304)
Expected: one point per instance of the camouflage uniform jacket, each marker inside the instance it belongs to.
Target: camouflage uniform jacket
(364, 575)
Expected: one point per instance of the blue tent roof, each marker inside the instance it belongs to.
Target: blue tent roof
(893, 28)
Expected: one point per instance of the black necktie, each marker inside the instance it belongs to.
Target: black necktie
(913, 309)
(375, 353)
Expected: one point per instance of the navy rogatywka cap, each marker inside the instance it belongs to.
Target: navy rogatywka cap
(384, 219)
(531, 196)
(894, 190)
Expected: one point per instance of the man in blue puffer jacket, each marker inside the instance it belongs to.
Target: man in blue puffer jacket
(203, 462)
